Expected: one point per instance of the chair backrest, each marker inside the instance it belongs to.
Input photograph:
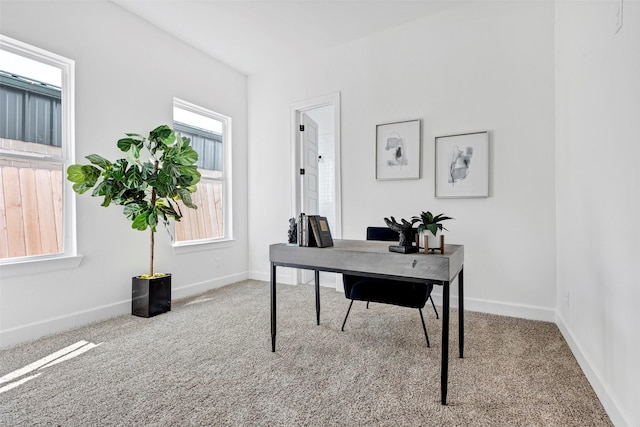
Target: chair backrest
(387, 291)
(386, 234)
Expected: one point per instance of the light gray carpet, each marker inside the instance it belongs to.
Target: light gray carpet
(208, 362)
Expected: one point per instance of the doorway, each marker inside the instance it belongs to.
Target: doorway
(317, 151)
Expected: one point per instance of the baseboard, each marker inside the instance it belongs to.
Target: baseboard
(31, 331)
(258, 275)
(609, 402)
(523, 311)
(500, 308)
(196, 288)
(285, 275)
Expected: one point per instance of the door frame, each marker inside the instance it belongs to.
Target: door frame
(332, 99)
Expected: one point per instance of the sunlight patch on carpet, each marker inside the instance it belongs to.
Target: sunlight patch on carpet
(199, 300)
(62, 355)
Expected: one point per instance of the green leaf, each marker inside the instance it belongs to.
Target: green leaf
(162, 134)
(107, 200)
(74, 173)
(132, 210)
(171, 170)
(186, 141)
(186, 157)
(81, 187)
(441, 217)
(91, 173)
(187, 181)
(147, 170)
(169, 210)
(140, 222)
(135, 151)
(185, 196)
(433, 228)
(80, 174)
(165, 181)
(152, 220)
(125, 144)
(119, 169)
(134, 178)
(102, 189)
(191, 171)
(98, 161)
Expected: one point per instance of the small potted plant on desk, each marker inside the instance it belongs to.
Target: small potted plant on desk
(149, 190)
(430, 227)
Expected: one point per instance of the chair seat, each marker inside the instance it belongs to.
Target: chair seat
(404, 294)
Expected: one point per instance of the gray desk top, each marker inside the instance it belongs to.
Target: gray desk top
(371, 257)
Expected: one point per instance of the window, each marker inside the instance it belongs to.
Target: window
(36, 142)
(209, 133)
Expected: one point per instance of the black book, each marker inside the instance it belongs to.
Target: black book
(319, 233)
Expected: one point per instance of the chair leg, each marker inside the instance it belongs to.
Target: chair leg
(367, 304)
(423, 327)
(434, 307)
(345, 317)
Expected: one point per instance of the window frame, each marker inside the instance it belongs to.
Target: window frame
(225, 178)
(69, 257)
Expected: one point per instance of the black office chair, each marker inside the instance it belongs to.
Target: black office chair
(386, 291)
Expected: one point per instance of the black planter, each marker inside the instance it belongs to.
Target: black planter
(150, 297)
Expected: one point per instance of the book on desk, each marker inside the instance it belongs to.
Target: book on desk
(314, 231)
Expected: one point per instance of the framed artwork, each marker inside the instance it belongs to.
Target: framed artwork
(462, 165)
(398, 150)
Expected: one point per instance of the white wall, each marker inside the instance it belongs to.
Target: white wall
(598, 147)
(486, 66)
(127, 73)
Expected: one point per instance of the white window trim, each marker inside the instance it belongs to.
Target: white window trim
(68, 258)
(189, 246)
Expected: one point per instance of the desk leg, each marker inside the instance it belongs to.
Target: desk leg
(273, 307)
(444, 369)
(461, 311)
(317, 280)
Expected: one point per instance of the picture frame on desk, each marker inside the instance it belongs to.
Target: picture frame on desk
(398, 150)
(462, 165)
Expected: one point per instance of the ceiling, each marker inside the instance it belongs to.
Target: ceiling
(252, 36)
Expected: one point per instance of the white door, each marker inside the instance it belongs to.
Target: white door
(309, 173)
(309, 162)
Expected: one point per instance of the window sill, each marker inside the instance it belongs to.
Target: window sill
(39, 266)
(190, 247)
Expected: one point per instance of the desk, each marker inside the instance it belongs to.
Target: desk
(373, 259)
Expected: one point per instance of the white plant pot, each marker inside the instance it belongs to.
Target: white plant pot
(431, 241)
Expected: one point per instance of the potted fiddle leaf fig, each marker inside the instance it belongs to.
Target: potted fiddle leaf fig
(156, 173)
(430, 227)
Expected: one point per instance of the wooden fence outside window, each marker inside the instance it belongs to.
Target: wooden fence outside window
(30, 210)
(206, 221)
